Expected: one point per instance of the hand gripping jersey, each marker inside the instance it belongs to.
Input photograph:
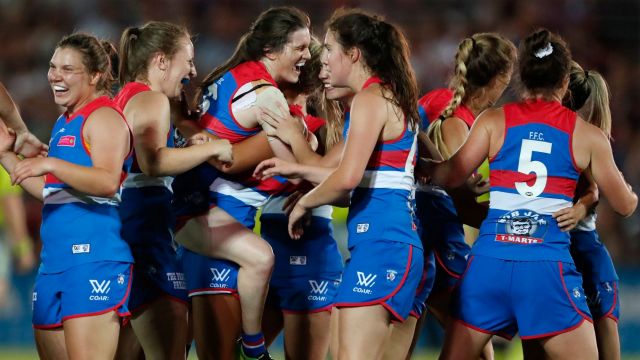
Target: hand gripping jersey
(381, 205)
(78, 228)
(532, 176)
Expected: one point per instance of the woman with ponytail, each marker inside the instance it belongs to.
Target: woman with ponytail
(520, 267)
(483, 67)
(588, 95)
(371, 57)
(228, 289)
(156, 60)
(306, 273)
(82, 288)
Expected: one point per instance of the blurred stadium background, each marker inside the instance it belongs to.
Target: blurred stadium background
(603, 35)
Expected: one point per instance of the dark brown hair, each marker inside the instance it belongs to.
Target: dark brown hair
(385, 52)
(544, 60)
(97, 56)
(269, 33)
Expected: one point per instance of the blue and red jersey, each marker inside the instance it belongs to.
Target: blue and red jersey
(136, 178)
(78, 228)
(381, 205)
(433, 103)
(235, 90)
(533, 175)
(441, 228)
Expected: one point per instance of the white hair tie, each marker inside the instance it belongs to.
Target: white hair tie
(545, 51)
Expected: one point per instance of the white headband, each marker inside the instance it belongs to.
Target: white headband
(545, 51)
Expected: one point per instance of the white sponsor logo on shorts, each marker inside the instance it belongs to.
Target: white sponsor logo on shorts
(318, 287)
(364, 282)
(318, 290)
(220, 275)
(80, 248)
(362, 228)
(100, 287)
(297, 260)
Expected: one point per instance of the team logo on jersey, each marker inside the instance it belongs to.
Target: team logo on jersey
(521, 227)
(67, 140)
(212, 93)
(607, 287)
(297, 260)
(362, 228)
(100, 288)
(120, 279)
(391, 275)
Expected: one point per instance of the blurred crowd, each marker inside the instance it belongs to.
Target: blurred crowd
(604, 35)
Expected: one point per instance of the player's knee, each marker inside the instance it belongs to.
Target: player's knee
(261, 260)
(264, 262)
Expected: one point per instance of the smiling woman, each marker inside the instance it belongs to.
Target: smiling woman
(156, 60)
(83, 283)
(271, 53)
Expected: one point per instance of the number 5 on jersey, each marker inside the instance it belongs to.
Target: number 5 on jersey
(528, 166)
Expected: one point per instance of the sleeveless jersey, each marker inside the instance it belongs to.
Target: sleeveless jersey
(430, 107)
(433, 103)
(533, 175)
(78, 228)
(136, 178)
(382, 205)
(440, 227)
(234, 90)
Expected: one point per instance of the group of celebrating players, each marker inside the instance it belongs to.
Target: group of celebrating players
(292, 126)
